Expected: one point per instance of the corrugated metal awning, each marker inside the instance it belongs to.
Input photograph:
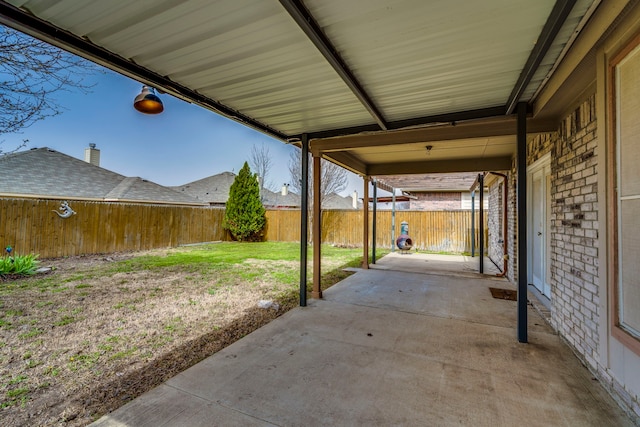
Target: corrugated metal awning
(328, 68)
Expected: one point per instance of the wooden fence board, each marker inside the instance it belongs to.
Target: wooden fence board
(30, 226)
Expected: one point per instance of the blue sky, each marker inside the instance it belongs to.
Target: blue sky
(183, 144)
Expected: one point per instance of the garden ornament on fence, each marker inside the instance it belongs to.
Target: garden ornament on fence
(65, 210)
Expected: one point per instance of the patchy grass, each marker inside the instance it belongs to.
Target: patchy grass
(99, 331)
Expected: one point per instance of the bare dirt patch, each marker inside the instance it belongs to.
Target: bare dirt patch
(86, 338)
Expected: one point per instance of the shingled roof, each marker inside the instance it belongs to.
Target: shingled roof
(213, 189)
(46, 173)
(436, 182)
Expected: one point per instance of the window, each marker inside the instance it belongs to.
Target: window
(625, 181)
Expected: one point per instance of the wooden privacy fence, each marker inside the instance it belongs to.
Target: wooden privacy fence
(31, 226)
(438, 231)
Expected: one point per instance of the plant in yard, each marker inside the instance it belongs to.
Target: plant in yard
(18, 264)
(245, 215)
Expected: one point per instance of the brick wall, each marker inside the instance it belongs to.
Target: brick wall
(494, 223)
(440, 201)
(538, 147)
(574, 222)
(575, 309)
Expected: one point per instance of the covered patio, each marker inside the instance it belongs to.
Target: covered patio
(387, 88)
(365, 85)
(385, 347)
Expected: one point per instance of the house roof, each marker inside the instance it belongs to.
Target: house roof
(277, 200)
(431, 182)
(336, 201)
(369, 83)
(213, 190)
(43, 172)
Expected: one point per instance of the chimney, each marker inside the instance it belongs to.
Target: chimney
(285, 189)
(354, 196)
(92, 155)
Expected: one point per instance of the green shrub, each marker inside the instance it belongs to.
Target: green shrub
(245, 215)
(18, 264)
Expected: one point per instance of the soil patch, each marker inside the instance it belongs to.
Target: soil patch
(86, 338)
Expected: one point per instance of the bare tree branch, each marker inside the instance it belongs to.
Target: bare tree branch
(333, 178)
(261, 162)
(31, 73)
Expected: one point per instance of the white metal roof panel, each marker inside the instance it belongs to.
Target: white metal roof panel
(244, 54)
(260, 63)
(427, 58)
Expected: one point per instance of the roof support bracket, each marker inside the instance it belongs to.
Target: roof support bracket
(308, 24)
(549, 32)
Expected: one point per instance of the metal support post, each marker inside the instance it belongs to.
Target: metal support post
(393, 220)
(365, 224)
(304, 218)
(522, 221)
(473, 223)
(373, 226)
(316, 291)
(481, 248)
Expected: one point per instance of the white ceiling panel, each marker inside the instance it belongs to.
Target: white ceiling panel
(324, 67)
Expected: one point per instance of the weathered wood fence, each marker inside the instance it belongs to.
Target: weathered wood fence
(31, 226)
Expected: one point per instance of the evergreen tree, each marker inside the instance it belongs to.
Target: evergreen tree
(245, 216)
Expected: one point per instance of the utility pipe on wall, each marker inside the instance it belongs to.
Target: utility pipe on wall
(505, 228)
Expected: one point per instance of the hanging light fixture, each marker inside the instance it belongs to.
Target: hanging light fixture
(147, 101)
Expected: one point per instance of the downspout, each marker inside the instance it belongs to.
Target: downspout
(505, 228)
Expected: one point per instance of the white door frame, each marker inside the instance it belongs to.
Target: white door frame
(543, 165)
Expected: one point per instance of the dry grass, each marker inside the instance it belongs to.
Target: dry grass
(99, 331)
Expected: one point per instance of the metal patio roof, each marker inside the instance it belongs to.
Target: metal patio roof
(370, 82)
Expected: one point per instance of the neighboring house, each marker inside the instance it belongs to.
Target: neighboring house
(214, 190)
(432, 192)
(283, 199)
(338, 202)
(48, 174)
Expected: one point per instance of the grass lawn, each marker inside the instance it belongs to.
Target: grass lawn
(101, 330)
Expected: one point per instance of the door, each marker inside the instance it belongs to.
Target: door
(539, 190)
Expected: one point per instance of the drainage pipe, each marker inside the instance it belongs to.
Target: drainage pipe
(505, 228)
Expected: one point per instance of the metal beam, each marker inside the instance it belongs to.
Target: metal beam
(308, 24)
(347, 161)
(522, 222)
(22, 21)
(304, 219)
(554, 23)
(458, 116)
(467, 130)
(441, 166)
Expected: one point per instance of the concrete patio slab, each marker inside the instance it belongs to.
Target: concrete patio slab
(386, 348)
